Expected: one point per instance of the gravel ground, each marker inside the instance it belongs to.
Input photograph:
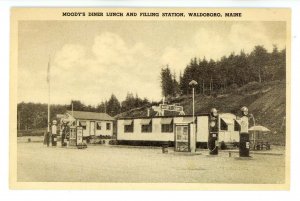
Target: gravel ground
(104, 163)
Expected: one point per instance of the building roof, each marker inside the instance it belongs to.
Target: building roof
(90, 115)
(162, 117)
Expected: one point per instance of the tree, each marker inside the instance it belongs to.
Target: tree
(101, 107)
(77, 105)
(175, 84)
(113, 106)
(259, 60)
(167, 85)
(129, 102)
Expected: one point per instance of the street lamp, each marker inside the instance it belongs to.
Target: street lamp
(193, 83)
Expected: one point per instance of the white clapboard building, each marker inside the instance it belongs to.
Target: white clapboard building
(163, 129)
(93, 123)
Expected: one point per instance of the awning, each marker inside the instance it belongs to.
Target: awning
(237, 121)
(188, 119)
(145, 121)
(128, 122)
(82, 123)
(227, 121)
(166, 120)
(259, 128)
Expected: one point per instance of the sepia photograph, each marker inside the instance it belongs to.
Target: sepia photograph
(168, 98)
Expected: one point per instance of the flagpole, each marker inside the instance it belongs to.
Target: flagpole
(48, 81)
(48, 107)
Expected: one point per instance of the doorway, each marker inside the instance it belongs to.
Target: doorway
(182, 141)
(92, 128)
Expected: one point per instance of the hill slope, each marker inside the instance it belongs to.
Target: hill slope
(267, 102)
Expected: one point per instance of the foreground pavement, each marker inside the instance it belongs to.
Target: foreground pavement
(104, 163)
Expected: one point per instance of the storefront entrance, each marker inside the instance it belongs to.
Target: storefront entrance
(92, 128)
(182, 141)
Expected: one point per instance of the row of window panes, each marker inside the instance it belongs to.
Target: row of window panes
(168, 128)
(98, 125)
(165, 128)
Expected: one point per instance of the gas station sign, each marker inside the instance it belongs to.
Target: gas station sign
(176, 108)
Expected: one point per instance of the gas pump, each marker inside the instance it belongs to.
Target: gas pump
(76, 137)
(244, 147)
(54, 133)
(72, 137)
(213, 132)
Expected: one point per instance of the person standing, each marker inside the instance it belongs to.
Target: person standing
(63, 133)
(54, 133)
(48, 136)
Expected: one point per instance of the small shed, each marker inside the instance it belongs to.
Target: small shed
(93, 123)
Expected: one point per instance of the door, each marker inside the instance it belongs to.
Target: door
(92, 128)
(182, 138)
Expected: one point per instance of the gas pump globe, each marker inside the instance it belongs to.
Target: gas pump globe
(244, 111)
(214, 112)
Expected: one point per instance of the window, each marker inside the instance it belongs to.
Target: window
(128, 126)
(82, 124)
(167, 125)
(108, 125)
(98, 126)
(146, 125)
(167, 128)
(224, 125)
(147, 128)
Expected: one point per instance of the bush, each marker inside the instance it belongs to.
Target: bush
(113, 142)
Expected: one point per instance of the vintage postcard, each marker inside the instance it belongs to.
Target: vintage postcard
(150, 98)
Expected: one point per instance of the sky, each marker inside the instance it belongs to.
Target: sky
(90, 60)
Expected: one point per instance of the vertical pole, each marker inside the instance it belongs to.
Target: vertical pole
(19, 120)
(48, 81)
(193, 105)
(48, 106)
(193, 134)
